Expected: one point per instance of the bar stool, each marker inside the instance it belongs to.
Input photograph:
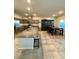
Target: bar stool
(61, 31)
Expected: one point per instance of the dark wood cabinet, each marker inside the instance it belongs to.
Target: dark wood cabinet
(46, 23)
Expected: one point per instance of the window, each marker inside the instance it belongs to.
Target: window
(16, 23)
(61, 24)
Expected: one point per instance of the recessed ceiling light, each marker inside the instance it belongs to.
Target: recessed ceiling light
(29, 17)
(28, 9)
(29, 1)
(53, 15)
(60, 12)
(34, 14)
(26, 14)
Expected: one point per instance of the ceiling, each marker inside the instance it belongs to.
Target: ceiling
(42, 8)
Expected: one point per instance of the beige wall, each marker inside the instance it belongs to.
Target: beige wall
(57, 20)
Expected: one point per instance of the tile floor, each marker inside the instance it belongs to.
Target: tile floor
(51, 47)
